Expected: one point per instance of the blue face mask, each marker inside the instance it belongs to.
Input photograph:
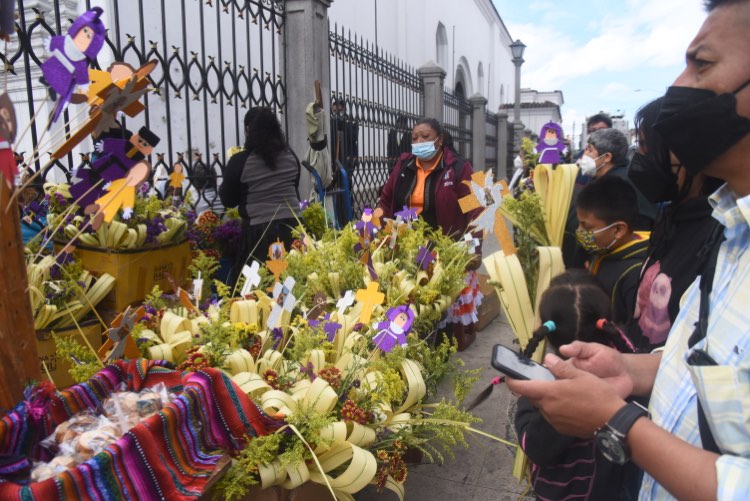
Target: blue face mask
(424, 151)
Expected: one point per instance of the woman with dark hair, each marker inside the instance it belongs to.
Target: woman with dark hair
(430, 179)
(673, 259)
(262, 181)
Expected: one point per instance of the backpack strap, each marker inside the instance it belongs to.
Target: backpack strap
(711, 253)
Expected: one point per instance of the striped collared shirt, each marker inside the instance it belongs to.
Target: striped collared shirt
(724, 388)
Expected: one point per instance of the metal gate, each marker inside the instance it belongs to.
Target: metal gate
(215, 60)
(380, 99)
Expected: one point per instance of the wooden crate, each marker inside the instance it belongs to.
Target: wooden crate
(57, 367)
(490, 307)
(136, 272)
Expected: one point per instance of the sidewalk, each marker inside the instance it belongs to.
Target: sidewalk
(484, 471)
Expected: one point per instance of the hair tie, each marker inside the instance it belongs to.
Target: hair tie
(498, 380)
(550, 325)
(601, 323)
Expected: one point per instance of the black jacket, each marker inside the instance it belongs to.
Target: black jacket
(565, 467)
(618, 271)
(672, 263)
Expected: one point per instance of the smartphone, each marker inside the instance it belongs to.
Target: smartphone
(512, 364)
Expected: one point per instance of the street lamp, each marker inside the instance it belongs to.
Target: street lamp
(517, 48)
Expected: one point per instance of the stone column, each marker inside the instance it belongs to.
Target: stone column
(433, 79)
(306, 57)
(478, 131)
(502, 147)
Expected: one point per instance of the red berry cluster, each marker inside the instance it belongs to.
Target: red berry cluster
(195, 361)
(351, 412)
(332, 375)
(392, 465)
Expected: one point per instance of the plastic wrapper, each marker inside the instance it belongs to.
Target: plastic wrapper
(87, 434)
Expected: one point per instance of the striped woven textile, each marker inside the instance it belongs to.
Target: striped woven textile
(170, 455)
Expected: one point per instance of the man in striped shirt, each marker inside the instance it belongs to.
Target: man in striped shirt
(703, 375)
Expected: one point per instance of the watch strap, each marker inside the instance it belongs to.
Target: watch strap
(625, 418)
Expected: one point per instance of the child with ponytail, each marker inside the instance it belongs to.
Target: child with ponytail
(574, 308)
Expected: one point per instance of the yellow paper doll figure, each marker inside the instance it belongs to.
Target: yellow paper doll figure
(174, 188)
(120, 194)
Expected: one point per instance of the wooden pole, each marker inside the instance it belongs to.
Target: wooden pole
(19, 362)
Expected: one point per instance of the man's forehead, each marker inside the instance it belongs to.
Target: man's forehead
(725, 28)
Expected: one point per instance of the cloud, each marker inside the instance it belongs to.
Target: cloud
(633, 36)
(615, 88)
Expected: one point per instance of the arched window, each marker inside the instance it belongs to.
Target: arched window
(441, 46)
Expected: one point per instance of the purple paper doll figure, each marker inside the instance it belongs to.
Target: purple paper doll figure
(394, 331)
(116, 157)
(67, 66)
(551, 146)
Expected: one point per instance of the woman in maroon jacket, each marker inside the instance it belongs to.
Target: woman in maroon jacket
(431, 180)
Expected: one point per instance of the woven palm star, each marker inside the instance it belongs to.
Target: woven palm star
(489, 196)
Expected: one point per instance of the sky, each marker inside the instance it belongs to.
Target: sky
(605, 55)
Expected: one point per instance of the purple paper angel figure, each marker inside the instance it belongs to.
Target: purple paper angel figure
(116, 158)
(393, 332)
(67, 66)
(551, 146)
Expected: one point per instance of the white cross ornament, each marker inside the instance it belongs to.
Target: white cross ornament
(345, 302)
(198, 288)
(252, 278)
(471, 242)
(283, 301)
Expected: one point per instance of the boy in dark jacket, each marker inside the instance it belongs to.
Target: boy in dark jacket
(607, 209)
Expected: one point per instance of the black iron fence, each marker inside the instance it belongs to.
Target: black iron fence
(457, 121)
(378, 98)
(214, 60)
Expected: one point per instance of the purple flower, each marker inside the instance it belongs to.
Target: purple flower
(227, 234)
(154, 228)
(304, 204)
(143, 188)
(358, 327)
(277, 335)
(65, 258)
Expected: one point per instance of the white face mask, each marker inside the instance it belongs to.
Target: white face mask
(588, 165)
(550, 141)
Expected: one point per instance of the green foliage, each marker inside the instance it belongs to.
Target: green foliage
(527, 216)
(314, 217)
(443, 430)
(463, 380)
(437, 362)
(155, 299)
(206, 267)
(528, 153)
(83, 362)
(243, 473)
(220, 340)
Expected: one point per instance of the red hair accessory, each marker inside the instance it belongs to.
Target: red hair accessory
(601, 323)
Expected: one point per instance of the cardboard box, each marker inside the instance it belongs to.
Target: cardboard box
(57, 367)
(136, 271)
(490, 307)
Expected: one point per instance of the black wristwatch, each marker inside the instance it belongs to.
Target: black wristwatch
(611, 437)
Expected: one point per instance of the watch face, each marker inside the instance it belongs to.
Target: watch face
(612, 447)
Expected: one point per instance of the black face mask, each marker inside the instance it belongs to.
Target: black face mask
(699, 125)
(655, 182)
